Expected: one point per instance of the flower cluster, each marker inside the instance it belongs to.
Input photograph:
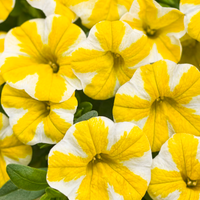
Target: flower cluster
(141, 56)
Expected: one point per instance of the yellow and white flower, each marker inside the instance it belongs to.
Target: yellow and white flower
(162, 26)
(175, 171)
(161, 98)
(50, 7)
(90, 11)
(98, 159)
(11, 149)
(191, 51)
(36, 121)
(6, 7)
(37, 58)
(109, 57)
(2, 40)
(191, 9)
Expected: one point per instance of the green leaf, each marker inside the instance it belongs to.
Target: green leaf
(86, 107)
(10, 191)
(27, 178)
(169, 3)
(55, 193)
(87, 116)
(83, 108)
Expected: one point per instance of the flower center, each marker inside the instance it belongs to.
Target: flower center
(191, 183)
(118, 60)
(48, 106)
(160, 99)
(150, 32)
(97, 157)
(54, 66)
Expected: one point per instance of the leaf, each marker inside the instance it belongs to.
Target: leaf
(86, 107)
(83, 108)
(55, 193)
(10, 191)
(27, 178)
(87, 116)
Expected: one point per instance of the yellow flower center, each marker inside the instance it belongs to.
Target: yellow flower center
(150, 32)
(160, 99)
(54, 66)
(97, 157)
(191, 183)
(48, 106)
(118, 60)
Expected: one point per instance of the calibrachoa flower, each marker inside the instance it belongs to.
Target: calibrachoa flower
(161, 98)
(176, 169)
(6, 7)
(89, 11)
(109, 58)
(2, 39)
(191, 51)
(191, 9)
(36, 121)
(50, 7)
(11, 149)
(98, 159)
(162, 26)
(37, 58)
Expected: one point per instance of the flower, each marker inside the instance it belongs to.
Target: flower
(90, 11)
(36, 121)
(191, 9)
(37, 58)
(175, 171)
(191, 51)
(162, 26)
(98, 159)
(108, 58)
(6, 7)
(50, 7)
(2, 39)
(161, 98)
(11, 149)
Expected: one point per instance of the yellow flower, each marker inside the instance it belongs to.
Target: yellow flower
(37, 58)
(90, 11)
(191, 51)
(176, 169)
(11, 149)
(36, 121)
(191, 9)
(109, 57)
(6, 7)
(98, 159)
(161, 98)
(2, 39)
(50, 7)
(163, 27)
